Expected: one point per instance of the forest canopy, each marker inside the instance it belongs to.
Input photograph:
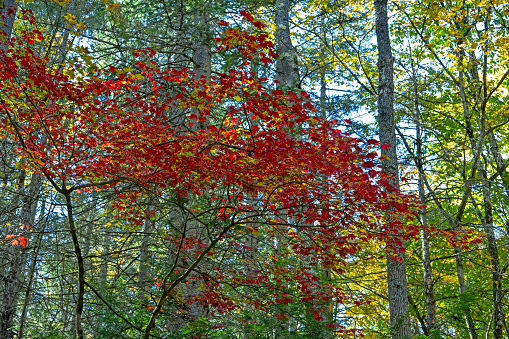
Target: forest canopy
(278, 169)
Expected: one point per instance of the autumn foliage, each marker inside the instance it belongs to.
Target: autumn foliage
(245, 157)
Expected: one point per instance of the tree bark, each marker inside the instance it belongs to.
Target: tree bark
(144, 281)
(396, 270)
(202, 59)
(31, 274)
(79, 260)
(7, 16)
(103, 272)
(426, 256)
(323, 83)
(498, 314)
(12, 281)
(287, 71)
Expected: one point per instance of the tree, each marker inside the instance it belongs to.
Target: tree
(104, 133)
(396, 275)
(466, 88)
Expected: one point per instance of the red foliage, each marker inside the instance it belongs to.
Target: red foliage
(19, 239)
(313, 185)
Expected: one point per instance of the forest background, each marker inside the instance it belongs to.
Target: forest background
(209, 169)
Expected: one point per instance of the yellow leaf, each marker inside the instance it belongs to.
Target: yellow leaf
(81, 25)
(71, 18)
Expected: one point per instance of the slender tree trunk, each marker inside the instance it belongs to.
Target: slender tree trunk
(460, 273)
(81, 267)
(426, 263)
(396, 270)
(323, 94)
(87, 243)
(65, 40)
(323, 83)
(498, 315)
(144, 281)
(103, 272)
(456, 224)
(251, 262)
(426, 256)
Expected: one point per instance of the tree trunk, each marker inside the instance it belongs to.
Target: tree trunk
(287, 71)
(323, 83)
(18, 260)
(11, 277)
(144, 281)
(202, 59)
(498, 316)
(176, 321)
(87, 243)
(396, 270)
(426, 256)
(79, 261)
(31, 273)
(7, 16)
(103, 273)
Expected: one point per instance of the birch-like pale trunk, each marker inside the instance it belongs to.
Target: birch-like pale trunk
(396, 270)
(429, 297)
